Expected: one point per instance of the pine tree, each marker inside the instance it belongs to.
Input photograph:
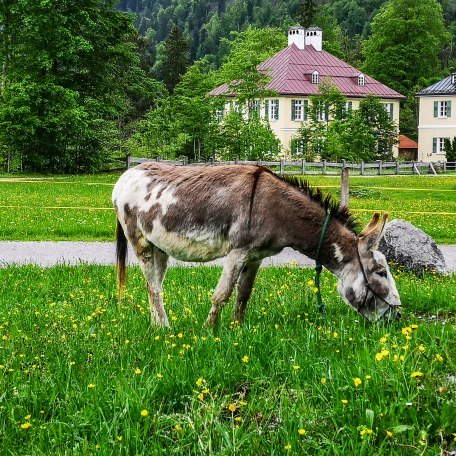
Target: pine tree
(176, 58)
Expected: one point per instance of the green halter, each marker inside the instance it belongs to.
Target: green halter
(318, 265)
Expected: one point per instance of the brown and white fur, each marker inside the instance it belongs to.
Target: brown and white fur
(243, 213)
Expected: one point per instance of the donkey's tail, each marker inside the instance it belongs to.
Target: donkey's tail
(121, 258)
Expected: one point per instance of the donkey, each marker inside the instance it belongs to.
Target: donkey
(244, 213)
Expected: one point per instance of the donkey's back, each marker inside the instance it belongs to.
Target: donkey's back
(191, 213)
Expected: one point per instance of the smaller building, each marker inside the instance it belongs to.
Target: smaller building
(437, 119)
(408, 149)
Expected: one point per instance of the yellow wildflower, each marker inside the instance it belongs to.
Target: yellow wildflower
(137, 371)
(25, 425)
(389, 434)
(344, 401)
(91, 385)
(200, 381)
(232, 408)
(296, 367)
(438, 357)
(357, 381)
(301, 431)
(416, 374)
(245, 359)
(178, 427)
(287, 447)
(144, 412)
(323, 380)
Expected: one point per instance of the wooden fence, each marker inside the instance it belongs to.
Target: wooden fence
(323, 167)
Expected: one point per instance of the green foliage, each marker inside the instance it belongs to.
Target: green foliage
(401, 31)
(450, 149)
(335, 132)
(62, 97)
(176, 58)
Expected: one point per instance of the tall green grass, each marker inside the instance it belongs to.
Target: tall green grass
(79, 207)
(80, 374)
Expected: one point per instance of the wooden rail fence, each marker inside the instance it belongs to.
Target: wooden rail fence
(322, 167)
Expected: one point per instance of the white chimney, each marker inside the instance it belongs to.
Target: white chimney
(314, 37)
(296, 35)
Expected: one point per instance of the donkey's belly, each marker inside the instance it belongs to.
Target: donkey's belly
(190, 246)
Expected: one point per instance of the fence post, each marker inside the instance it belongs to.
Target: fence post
(345, 188)
(444, 166)
(362, 168)
(184, 160)
(303, 166)
(323, 168)
(397, 167)
(380, 167)
(282, 166)
(236, 160)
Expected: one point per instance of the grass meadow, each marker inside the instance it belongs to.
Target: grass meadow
(79, 208)
(80, 374)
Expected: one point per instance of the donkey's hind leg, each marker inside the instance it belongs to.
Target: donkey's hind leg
(234, 264)
(154, 263)
(244, 289)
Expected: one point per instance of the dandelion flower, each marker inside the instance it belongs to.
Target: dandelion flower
(159, 375)
(178, 427)
(389, 434)
(438, 357)
(301, 431)
(296, 367)
(357, 381)
(344, 401)
(137, 371)
(421, 348)
(119, 438)
(287, 447)
(378, 357)
(26, 425)
(200, 381)
(323, 380)
(245, 359)
(232, 408)
(144, 412)
(91, 385)
(416, 374)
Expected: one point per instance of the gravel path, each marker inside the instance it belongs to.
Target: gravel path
(51, 253)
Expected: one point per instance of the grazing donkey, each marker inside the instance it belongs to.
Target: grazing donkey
(244, 213)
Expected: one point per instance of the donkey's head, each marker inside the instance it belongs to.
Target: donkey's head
(365, 281)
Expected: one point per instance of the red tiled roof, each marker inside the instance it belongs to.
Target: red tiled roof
(291, 70)
(407, 143)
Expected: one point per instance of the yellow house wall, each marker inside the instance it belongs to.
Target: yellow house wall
(430, 127)
(285, 128)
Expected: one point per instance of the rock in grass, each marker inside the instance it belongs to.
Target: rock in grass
(410, 247)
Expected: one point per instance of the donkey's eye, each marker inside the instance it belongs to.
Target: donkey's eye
(382, 274)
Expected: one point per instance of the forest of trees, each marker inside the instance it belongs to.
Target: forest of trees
(84, 82)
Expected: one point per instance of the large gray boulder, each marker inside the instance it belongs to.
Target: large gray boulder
(411, 247)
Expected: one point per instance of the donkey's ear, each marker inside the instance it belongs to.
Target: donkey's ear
(370, 226)
(370, 238)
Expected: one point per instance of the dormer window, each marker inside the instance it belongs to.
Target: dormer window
(453, 78)
(361, 80)
(315, 77)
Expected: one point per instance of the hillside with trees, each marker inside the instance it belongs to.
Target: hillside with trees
(83, 83)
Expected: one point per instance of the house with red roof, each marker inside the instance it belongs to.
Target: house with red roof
(296, 73)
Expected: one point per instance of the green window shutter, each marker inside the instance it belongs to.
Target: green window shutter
(391, 111)
(277, 110)
(266, 109)
(448, 109)
(304, 108)
(293, 109)
(436, 108)
(434, 145)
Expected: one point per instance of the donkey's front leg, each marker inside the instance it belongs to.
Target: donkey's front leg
(234, 264)
(244, 289)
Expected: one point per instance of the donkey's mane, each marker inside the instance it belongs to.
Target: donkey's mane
(341, 214)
